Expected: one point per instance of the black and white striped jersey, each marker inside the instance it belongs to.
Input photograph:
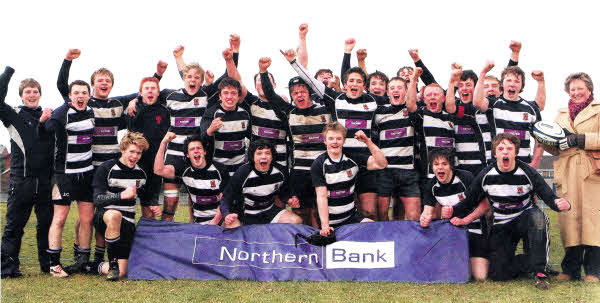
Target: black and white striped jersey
(230, 141)
(113, 177)
(394, 133)
(487, 132)
(252, 193)
(186, 112)
(340, 178)
(109, 118)
(268, 123)
(509, 193)
(73, 131)
(204, 186)
(433, 130)
(516, 117)
(451, 193)
(469, 144)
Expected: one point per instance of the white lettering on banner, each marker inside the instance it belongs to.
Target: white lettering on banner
(272, 257)
(349, 254)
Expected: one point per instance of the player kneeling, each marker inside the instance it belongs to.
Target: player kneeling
(447, 188)
(334, 177)
(256, 188)
(204, 179)
(510, 185)
(116, 185)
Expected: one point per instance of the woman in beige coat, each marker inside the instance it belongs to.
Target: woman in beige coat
(575, 180)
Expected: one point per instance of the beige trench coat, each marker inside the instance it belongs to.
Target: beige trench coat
(575, 181)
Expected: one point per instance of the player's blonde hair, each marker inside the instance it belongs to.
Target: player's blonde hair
(335, 126)
(134, 138)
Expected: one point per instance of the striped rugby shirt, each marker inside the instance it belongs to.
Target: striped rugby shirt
(73, 132)
(340, 178)
(433, 130)
(516, 117)
(470, 148)
(270, 123)
(509, 193)
(113, 177)
(204, 185)
(230, 141)
(393, 132)
(305, 126)
(253, 193)
(451, 193)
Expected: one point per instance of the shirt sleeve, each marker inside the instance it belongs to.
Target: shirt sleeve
(100, 184)
(428, 197)
(316, 173)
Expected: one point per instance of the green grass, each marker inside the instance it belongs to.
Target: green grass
(38, 287)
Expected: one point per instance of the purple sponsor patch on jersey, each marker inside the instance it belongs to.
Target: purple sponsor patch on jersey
(312, 138)
(464, 129)
(515, 205)
(519, 133)
(355, 123)
(206, 199)
(395, 133)
(444, 142)
(268, 132)
(233, 145)
(340, 193)
(185, 121)
(104, 131)
(84, 139)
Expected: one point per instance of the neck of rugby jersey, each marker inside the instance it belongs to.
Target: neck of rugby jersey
(206, 164)
(453, 172)
(510, 172)
(124, 166)
(262, 173)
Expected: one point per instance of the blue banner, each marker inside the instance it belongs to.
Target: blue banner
(378, 251)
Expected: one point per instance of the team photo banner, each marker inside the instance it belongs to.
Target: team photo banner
(379, 251)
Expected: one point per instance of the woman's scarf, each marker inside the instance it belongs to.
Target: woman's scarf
(575, 108)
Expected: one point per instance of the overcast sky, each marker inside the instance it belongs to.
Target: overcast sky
(129, 37)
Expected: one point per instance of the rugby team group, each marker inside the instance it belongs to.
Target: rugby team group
(337, 154)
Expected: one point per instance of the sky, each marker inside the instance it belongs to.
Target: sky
(129, 37)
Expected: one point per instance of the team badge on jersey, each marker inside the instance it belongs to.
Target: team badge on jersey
(112, 112)
(196, 102)
(520, 189)
(158, 119)
(366, 107)
(213, 184)
(525, 116)
(461, 197)
(137, 183)
(277, 186)
(405, 112)
(349, 172)
(243, 124)
(450, 124)
(323, 119)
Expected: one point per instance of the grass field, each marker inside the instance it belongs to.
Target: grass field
(38, 287)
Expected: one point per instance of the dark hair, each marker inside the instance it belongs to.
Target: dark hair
(380, 75)
(442, 152)
(357, 70)
(297, 81)
(190, 139)
(230, 82)
(469, 74)
(398, 79)
(261, 143)
(513, 70)
(506, 136)
(80, 83)
(323, 70)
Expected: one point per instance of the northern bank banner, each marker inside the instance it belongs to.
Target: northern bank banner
(378, 251)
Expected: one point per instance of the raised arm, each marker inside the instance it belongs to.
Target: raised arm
(263, 65)
(450, 92)
(178, 54)
(302, 49)
(165, 171)
(515, 49)
(233, 72)
(540, 96)
(479, 99)
(361, 56)
(4, 80)
(348, 47)
(62, 83)
(427, 76)
(316, 85)
(411, 95)
(377, 159)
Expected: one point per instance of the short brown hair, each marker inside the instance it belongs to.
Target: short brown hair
(506, 136)
(515, 70)
(29, 82)
(334, 126)
(398, 79)
(134, 138)
(103, 71)
(579, 76)
(149, 79)
(194, 65)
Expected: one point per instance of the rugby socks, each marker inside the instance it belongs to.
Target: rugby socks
(75, 251)
(112, 248)
(54, 255)
(99, 253)
(84, 255)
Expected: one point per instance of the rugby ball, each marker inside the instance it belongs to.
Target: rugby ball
(547, 133)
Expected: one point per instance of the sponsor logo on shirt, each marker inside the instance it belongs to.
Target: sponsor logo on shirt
(185, 121)
(339, 193)
(84, 139)
(356, 124)
(233, 145)
(519, 133)
(312, 138)
(104, 131)
(206, 199)
(268, 132)
(444, 142)
(464, 129)
(395, 133)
